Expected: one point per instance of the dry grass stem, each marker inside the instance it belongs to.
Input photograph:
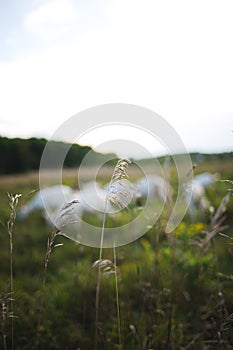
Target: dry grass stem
(13, 202)
(64, 217)
(116, 195)
(215, 227)
(5, 299)
(117, 297)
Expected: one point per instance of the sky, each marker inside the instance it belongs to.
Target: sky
(60, 57)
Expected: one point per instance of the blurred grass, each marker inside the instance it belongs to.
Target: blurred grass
(165, 282)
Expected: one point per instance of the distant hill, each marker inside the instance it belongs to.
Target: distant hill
(22, 155)
(195, 158)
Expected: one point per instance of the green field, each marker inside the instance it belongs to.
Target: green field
(175, 290)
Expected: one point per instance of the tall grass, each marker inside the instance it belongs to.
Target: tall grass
(50, 246)
(65, 210)
(178, 298)
(9, 297)
(114, 197)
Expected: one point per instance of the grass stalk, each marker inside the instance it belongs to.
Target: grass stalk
(3, 303)
(13, 201)
(173, 262)
(113, 196)
(50, 246)
(117, 296)
(97, 297)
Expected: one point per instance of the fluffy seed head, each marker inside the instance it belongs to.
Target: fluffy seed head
(120, 190)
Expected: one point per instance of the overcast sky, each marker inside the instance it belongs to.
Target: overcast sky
(59, 57)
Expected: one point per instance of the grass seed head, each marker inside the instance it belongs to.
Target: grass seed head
(120, 190)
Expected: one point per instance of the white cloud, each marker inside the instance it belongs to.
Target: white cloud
(52, 18)
(172, 57)
(123, 140)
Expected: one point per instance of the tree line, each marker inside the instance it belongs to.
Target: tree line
(22, 155)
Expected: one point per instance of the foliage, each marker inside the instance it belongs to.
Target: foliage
(173, 294)
(23, 155)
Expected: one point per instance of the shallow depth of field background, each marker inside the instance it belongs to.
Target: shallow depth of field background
(173, 294)
(61, 57)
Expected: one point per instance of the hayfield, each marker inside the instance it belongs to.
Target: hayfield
(175, 290)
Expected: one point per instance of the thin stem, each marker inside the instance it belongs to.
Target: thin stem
(4, 338)
(120, 172)
(11, 288)
(50, 245)
(13, 201)
(173, 283)
(117, 296)
(3, 322)
(99, 277)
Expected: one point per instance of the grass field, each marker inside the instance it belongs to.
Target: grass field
(175, 290)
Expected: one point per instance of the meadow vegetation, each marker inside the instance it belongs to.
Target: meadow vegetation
(175, 290)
